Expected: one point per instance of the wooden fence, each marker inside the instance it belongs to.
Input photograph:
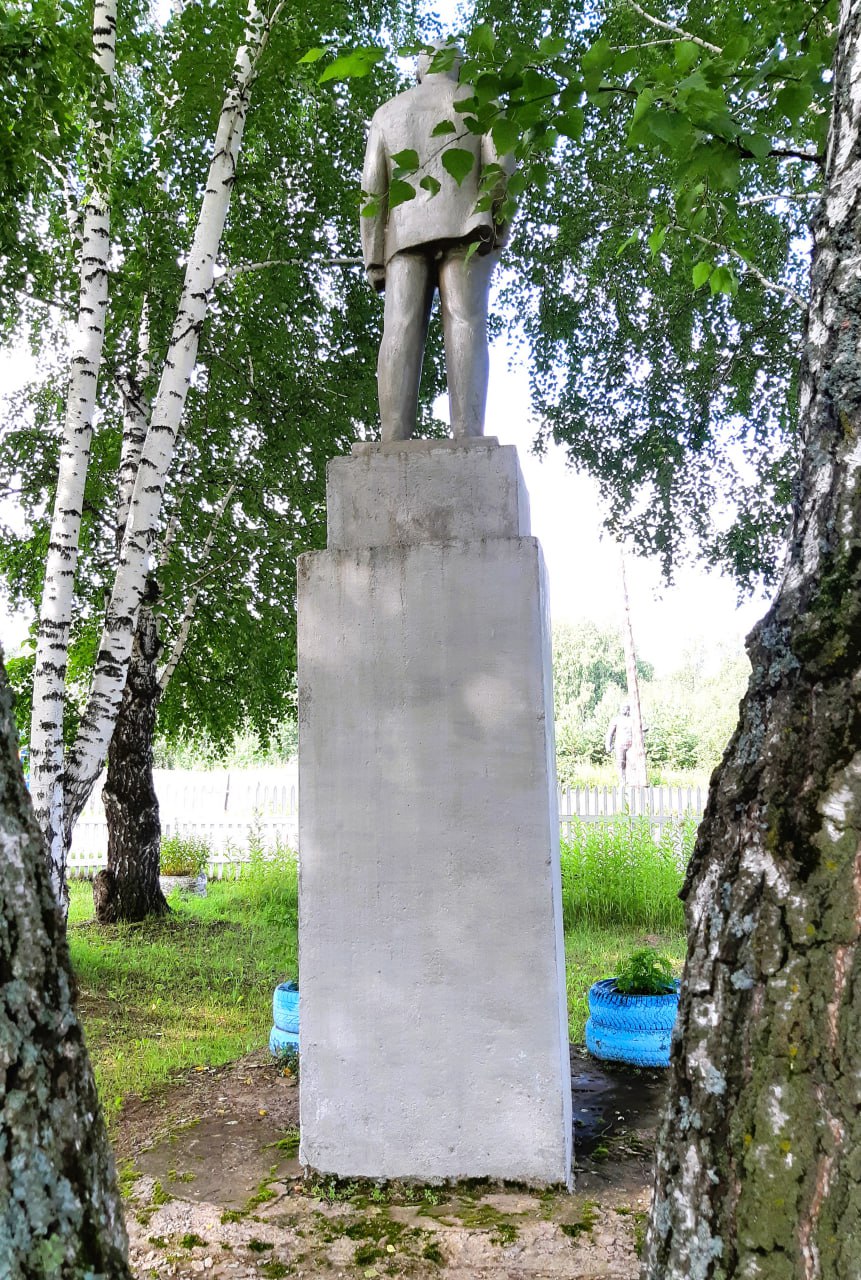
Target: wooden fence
(240, 809)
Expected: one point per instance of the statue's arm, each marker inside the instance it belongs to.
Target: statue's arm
(375, 182)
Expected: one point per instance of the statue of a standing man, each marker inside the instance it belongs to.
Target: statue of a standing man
(422, 245)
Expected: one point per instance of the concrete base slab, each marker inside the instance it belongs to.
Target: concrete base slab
(433, 1013)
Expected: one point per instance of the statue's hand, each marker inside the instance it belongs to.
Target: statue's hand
(377, 278)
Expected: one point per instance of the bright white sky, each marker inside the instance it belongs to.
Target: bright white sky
(583, 561)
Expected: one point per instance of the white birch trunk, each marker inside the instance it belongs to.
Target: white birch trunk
(137, 411)
(55, 616)
(88, 755)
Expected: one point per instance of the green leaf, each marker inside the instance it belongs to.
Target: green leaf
(482, 38)
(407, 160)
(458, 162)
(571, 124)
(723, 280)
(444, 126)
(625, 62)
(641, 106)
(756, 143)
(633, 238)
(599, 56)
(735, 49)
(353, 65)
(506, 136)
(400, 192)
(656, 240)
(551, 46)
(793, 100)
(701, 273)
(430, 183)
(473, 248)
(313, 55)
(372, 208)
(686, 54)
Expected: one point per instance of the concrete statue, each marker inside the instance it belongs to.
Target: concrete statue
(422, 245)
(620, 739)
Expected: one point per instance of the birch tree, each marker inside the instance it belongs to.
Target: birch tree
(282, 381)
(757, 1159)
(46, 736)
(61, 788)
(60, 1208)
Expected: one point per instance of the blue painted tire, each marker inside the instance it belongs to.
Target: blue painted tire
(633, 1029)
(279, 1041)
(285, 1007)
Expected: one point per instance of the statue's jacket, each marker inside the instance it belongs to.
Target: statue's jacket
(407, 122)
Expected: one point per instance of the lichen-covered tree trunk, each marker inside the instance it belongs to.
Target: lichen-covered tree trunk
(60, 1211)
(759, 1164)
(129, 888)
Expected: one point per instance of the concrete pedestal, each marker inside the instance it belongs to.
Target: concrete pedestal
(433, 1015)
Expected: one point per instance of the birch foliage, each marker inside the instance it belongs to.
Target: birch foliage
(281, 379)
(667, 165)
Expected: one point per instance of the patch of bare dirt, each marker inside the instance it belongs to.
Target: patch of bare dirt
(215, 1189)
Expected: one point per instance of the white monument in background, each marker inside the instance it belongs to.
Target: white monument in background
(434, 1027)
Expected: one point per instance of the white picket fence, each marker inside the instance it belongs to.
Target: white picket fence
(662, 806)
(233, 810)
(238, 809)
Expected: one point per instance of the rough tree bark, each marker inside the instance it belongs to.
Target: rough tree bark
(129, 889)
(60, 1211)
(758, 1166)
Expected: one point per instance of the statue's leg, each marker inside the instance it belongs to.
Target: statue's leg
(409, 293)
(463, 289)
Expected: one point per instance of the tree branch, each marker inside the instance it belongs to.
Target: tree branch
(229, 272)
(764, 280)
(677, 31)
(780, 195)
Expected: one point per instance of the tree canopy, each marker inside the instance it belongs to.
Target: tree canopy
(284, 378)
(666, 172)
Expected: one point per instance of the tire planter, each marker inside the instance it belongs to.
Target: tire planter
(285, 1015)
(633, 1029)
(185, 884)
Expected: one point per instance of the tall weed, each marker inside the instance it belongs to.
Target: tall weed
(615, 873)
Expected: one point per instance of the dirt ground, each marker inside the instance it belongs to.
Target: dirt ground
(214, 1188)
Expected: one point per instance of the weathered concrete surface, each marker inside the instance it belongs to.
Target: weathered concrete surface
(419, 491)
(434, 1027)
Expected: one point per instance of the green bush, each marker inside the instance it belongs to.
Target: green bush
(645, 973)
(614, 873)
(183, 855)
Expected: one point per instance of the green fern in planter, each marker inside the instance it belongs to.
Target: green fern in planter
(645, 973)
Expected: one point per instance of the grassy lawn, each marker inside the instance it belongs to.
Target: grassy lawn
(196, 988)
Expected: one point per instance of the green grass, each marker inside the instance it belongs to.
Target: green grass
(195, 989)
(614, 873)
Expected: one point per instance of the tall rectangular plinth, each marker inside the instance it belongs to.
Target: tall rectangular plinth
(433, 1015)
